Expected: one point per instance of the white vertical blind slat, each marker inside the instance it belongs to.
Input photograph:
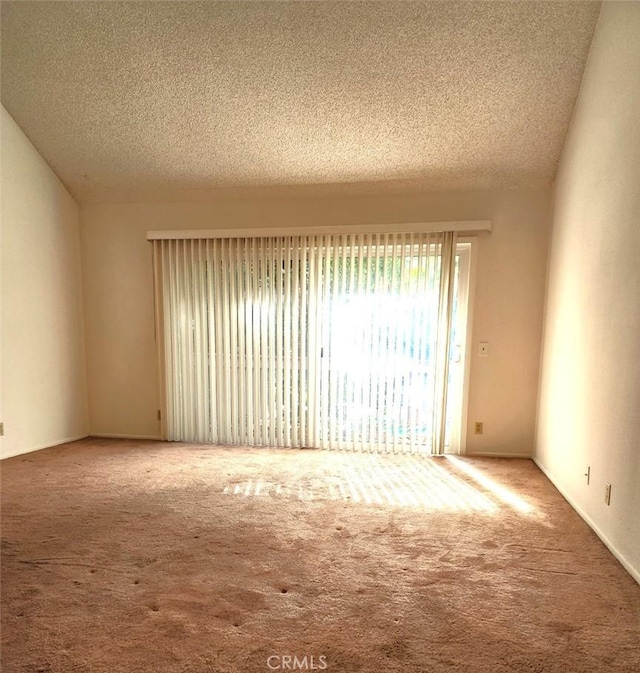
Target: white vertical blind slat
(287, 387)
(361, 294)
(232, 355)
(241, 340)
(340, 371)
(394, 343)
(279, 387)
(202, 390)
(256, 437)
(296, 397)
(271, 348)
(220, 353)
(376, 344)
(247, 324)
(408, 346)
(312, 326)
(368, 345)
(324, 319)
(211, 345)
(444, 335)
(304, 400)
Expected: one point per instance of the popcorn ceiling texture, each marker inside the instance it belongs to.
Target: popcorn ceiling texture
(166, 100)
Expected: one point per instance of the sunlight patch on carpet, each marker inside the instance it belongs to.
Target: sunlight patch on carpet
(504, 494)
(382, 481)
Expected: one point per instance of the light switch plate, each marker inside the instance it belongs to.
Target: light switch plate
(483, 349)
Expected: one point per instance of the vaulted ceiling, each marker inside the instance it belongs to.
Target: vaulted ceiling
(165, 100)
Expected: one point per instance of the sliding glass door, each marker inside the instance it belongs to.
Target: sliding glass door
(348, 342)
(382, 387)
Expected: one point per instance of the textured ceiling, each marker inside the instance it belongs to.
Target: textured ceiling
(162, 100)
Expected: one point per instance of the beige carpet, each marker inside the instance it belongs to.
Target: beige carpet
(141, 556)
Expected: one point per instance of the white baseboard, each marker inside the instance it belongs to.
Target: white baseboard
(40, 447)
(105, 435)
(490, 454)
(589, 521)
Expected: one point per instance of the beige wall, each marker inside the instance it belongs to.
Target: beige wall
(511, 264)
(43, 363)
(590, 380)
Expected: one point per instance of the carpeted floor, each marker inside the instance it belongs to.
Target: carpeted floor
(120, 557)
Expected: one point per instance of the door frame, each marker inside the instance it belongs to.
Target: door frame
(468, 247)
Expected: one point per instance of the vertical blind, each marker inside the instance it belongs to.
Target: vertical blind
(332, 341)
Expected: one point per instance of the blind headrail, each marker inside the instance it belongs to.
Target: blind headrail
(460, 227)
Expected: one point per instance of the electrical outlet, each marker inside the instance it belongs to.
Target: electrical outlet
(478, 427)
(587, 474)
(607, 494)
